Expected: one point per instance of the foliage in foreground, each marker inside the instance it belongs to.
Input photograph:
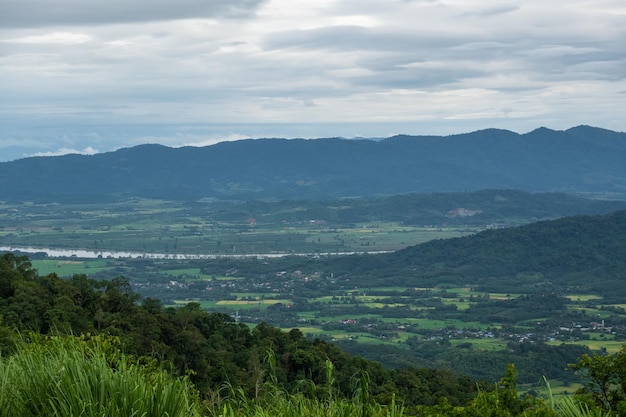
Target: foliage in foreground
(69, 376)
(90, 376)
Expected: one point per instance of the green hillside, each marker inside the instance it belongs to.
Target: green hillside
(580, 253)
(131, 358)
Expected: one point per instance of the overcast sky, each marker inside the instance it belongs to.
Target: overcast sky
(96, 75)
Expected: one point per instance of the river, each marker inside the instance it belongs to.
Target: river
(87, 254)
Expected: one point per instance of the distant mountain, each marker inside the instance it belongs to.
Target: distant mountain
(581, 159)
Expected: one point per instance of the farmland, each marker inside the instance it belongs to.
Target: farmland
(169, 227)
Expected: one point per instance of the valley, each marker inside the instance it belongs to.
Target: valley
(348, 271)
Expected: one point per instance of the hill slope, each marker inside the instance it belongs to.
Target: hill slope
(581, 159)
(580, 253)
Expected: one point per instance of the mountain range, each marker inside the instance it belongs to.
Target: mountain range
(582, 159)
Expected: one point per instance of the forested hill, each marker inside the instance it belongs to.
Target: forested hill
(212, 349)
(580, 253)
(581, 159)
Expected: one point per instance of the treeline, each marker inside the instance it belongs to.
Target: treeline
(212, 349)
(485, 207)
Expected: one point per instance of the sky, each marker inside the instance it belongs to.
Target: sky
(88, 76)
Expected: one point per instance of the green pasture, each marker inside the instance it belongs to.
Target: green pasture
(593, 313)
(157, 226)
(395, 320)
(460, 305)
(599, 336)
(466, 292)
(197, 275)
(582, 297)
(387, 236)
(184, 271)
(248, 305)
(255, 295)
(209, 305)
(308, 315)
(68, 268)
(559, 389)
(304, 329)
(339, 316)
(552, 388)
(442, 324)
(336, 335)
(361, 337)
(493, 344)
(611, 346)
(374, 339)
(381, 305)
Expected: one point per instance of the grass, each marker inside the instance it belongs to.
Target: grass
(311, 401)
(76, 377)
(91, 377)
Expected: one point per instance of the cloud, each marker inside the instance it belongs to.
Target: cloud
(65, 38)
(40, 13)
(64, 151)
(195, 71)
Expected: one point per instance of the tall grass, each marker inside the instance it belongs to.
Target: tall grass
(300, 405)
(311, 401)
(571, 406)
(68, 376)
(90, 377)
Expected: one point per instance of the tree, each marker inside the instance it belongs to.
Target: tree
(13, 269)
(605, 380)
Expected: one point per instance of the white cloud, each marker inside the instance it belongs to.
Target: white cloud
(65, 38)
(65, 151)
(134, 70)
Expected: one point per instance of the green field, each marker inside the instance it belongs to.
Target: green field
(170, 227)
(66, 268)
